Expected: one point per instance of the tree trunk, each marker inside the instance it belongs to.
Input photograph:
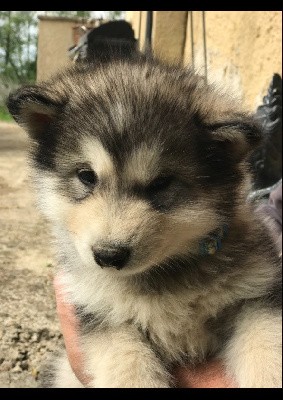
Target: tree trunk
(8, 40)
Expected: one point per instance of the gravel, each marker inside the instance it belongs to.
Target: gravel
(29, 329)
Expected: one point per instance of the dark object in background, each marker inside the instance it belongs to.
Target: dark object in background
(112, 39)
(266, 162)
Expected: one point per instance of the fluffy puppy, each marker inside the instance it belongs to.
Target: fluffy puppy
(141, 169)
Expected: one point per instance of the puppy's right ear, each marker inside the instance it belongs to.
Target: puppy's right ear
(34, 108)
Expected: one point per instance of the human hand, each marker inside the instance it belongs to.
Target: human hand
(70, 328)
(208, 375)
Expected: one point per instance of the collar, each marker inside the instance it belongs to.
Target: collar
(213, 241)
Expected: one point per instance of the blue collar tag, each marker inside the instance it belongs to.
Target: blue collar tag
(213, 242)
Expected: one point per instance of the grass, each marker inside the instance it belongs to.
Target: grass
(4, 114)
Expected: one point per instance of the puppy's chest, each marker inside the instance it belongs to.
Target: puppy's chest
(174, 325)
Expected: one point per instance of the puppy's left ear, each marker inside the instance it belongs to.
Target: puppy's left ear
(237, 136)
(34, 108)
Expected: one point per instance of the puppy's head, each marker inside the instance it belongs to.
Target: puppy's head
(135, 161)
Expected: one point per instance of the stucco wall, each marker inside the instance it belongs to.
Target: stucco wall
(54, 39)
(169, 34)
(138, 21)
(244, 48)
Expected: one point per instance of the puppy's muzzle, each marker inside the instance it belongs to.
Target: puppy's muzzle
(116, 257)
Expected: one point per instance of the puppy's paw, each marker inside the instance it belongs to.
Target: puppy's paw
(133, 378)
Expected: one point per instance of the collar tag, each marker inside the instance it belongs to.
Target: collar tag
(213, 242)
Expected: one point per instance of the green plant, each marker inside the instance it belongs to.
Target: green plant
(4, 114)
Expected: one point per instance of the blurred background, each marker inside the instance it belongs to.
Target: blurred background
(242, 49)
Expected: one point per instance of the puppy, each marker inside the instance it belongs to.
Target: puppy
(141, 169)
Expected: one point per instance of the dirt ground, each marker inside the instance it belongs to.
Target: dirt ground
(29, 328)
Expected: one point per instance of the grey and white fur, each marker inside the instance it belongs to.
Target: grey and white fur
(134, 163)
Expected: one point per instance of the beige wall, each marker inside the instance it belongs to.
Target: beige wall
(55, 36)
(54, 39)
(168, 32)
(138, 21)
(244, 48)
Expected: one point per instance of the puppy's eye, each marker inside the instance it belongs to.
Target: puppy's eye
(87, 176)
(160, 183)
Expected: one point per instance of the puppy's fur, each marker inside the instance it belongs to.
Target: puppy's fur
(164, 156)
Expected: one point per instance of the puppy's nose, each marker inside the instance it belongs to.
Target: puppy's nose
(112, 257)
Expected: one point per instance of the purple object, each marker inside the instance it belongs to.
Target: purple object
(273, 210)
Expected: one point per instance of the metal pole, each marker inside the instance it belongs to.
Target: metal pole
(148, 31)
(140, 21)
(192, 39)
(204, 45)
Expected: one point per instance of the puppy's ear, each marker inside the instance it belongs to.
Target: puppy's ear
(237, 135)
(34, 108)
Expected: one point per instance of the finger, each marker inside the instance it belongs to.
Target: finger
(207, 375)
(70, 328)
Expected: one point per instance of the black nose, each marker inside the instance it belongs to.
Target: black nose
(112, 257)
